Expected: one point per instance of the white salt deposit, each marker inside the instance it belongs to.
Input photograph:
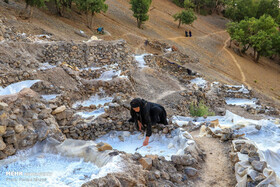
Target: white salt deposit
(17, 87)
(159, 144)
(109, 75)
(50, 97)
(71, 163)
(44, 36)
(242, 89)
(140, 60)
(91, 68)
(241, 101)
(93, 100)
(168, 49)
(93, 114)
(45, 66)
(267, 138)
(200, 82)
(268, 141)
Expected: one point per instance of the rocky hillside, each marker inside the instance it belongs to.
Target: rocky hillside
(73, 92)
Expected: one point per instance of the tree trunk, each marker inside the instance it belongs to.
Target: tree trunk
(254, 53)
(179, 23)
(245, 48)
(91, 20)
(258, 57)
(230, 43)
(87, 20)
(28, 10)
(139, 23)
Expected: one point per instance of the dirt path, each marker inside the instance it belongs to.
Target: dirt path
(217, 170)
(204, 36)
(236, 63)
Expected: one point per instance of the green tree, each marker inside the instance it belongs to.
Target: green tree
(185, 17)
(62, 5)
(238, 10)
(263, 31)
(188, 4)
(33, 3)
(140, 10)
(260, 34)
(90, 8)
(276, 43)
(269, 7)
(277, 19)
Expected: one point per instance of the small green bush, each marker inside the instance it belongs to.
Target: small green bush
(200, 110)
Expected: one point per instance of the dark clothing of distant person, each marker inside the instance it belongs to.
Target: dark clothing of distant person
(186, 33)
(146, 42)
(190, 33)
(149, 114)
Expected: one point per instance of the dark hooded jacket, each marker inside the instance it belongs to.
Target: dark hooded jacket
(149, 114)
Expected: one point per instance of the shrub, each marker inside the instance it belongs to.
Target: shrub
(200, 110)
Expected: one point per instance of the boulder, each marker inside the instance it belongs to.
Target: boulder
(165, 175)
(19, 128)
(185, 160)
(191, 172)
(251, 159)
(104, 146)
(2, 155)
(3, 106)
(146, 163)
(61, 116)
(3, 118)
(2, 130)
(59, 109)
(259, 165)
(42, 129)
(214, 123)
(9, 150)
(165, 130)
(2, 144)
(253, 174)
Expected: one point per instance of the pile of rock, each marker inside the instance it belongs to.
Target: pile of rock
(12, 77)
(250, 168)
(24, 120)
(94, 54)
(153, 170)
(241, 92)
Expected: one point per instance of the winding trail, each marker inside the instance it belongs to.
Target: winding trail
(243, 78)
(204, 36)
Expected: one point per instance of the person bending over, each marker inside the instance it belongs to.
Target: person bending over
(146, 114)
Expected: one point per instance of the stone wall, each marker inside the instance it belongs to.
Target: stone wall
(96, 53)
(24, 120)
(25, 59)
(250, 167)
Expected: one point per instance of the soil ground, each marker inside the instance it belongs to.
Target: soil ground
(217, 170)
(209, 44)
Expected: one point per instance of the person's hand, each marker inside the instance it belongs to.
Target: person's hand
(139, 125)
(146, 141)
